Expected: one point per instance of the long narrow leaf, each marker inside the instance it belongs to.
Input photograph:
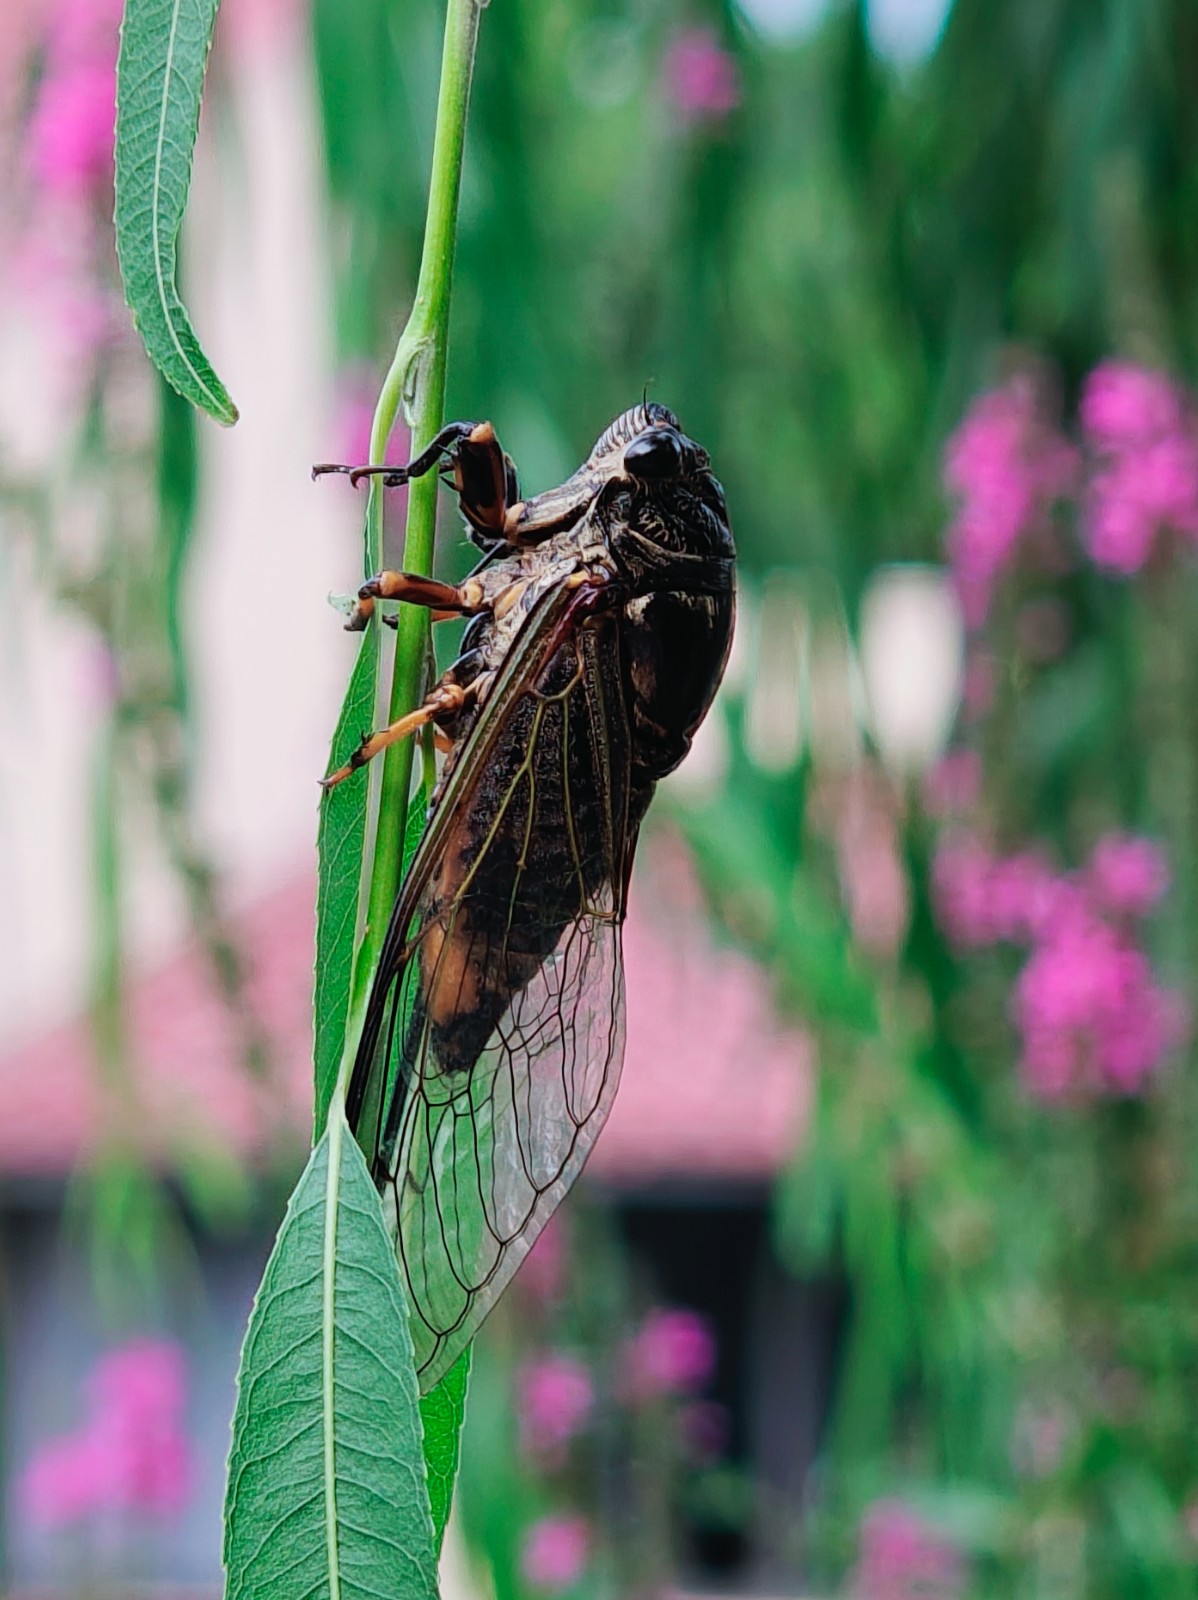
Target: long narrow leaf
(325, 1496)
(160, 78)
(339, 845)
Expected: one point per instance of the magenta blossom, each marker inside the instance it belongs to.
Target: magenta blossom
(1124, 405)
(69, 142)
(556, 1397)
(131, 1454)
(673, 1352)
(70, 135)
(1006, 467)
(1093, 1019)
(702, 81)
(1127, 875)
(901, 1557)
(983, 899)
(1138, 424)
(555, 1553)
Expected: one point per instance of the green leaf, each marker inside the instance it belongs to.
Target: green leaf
(326, 1496)
(160, 77)
(442, 1411)
(339, 845)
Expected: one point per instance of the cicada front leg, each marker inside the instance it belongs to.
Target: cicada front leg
(484, 476)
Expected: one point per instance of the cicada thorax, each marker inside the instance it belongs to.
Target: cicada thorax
(673, 548)
(529, 852)
(676, 646)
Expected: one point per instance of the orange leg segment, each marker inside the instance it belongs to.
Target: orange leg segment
(443, 702)
(443, 599)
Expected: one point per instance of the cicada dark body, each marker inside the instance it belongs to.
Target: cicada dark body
(601, 622)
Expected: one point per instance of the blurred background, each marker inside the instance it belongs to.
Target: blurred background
(883, 1282)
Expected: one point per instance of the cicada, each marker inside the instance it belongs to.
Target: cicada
(600, 621)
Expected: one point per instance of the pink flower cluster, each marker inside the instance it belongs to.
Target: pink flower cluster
(556, 1398)
(69, 141)
(1092, 1016)
(1006, 467)
(61, 263)
(1140, 428)
(670, 1356)
(673, 1352)
(901, 1557)
(131, 1455)
(554, 1554)
(702, 81)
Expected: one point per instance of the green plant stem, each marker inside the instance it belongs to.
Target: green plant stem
(415, 379)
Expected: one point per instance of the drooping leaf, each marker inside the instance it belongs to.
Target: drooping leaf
(160, 79)
(442, 1410)
(325, 1496)
(339, 845)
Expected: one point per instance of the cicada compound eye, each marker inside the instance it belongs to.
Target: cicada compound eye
(655, 454)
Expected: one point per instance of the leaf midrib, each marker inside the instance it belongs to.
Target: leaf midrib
(159, 146)
(336, 1125)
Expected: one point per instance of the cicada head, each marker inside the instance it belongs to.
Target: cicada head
(647, 443)
(645, 486)
(661, 498)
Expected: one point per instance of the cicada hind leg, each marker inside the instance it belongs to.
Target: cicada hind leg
(456, 690)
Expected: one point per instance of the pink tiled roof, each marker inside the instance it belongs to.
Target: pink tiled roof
(712, 1085)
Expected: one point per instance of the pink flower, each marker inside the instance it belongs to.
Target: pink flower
(1139, 425)
(701, 78)
(555, 1553)
(1127, 875)
(1124, 405)
(68, 1480)
(1006, 467)
(70, 136)
(131, 1454)
(902, 1558)
(141, 1381)
(673, 1352)
(70, 133)
(556, 1397)
(983, 899)
(1093, 1019)
(1026, 894)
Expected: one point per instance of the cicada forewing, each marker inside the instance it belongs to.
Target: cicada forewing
(495, 1033)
